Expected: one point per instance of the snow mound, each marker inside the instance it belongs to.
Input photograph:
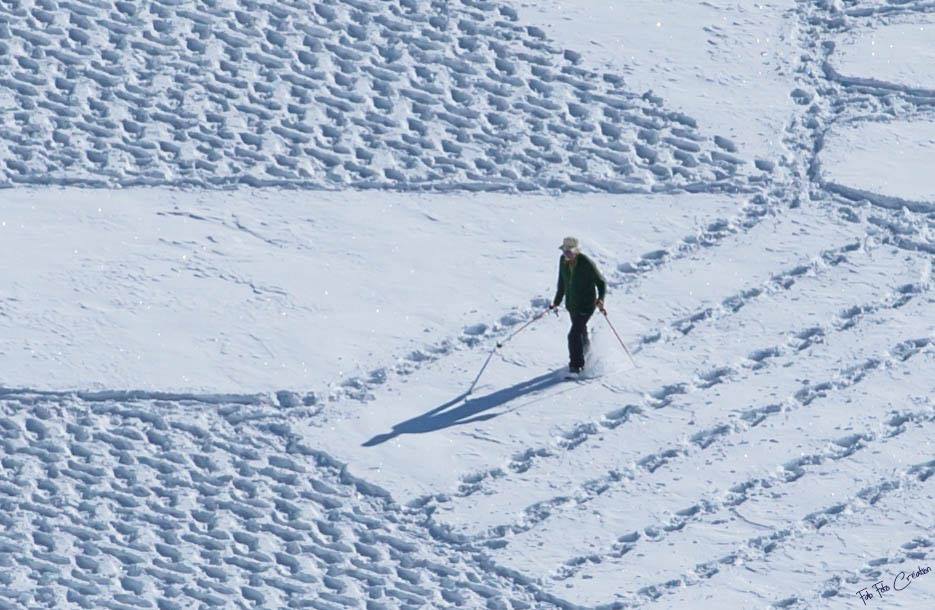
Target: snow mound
(405, 94)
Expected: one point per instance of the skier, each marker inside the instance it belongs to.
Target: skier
(578, 277)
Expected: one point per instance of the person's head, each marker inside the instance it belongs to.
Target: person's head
(569, 248)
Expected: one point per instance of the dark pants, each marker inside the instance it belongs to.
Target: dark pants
(578, 338)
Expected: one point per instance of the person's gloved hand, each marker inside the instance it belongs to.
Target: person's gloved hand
(600, 306)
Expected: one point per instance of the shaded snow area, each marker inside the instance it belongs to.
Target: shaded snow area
(407, 94)
(273, 290)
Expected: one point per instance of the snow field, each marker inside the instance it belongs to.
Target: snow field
(882, 163)
(889, 523)
(676, 288)
(256, 397)
(899, 55)
(805, 479)
(687, 53)
(276, 263)
(599, 500)
(534, 542)
(882, 148)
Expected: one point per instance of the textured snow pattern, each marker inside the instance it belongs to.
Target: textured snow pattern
(405, 94)
(146, 503)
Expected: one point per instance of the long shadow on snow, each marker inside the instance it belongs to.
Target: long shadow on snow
(444, 416)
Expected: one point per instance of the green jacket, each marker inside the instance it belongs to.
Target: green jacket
(577, 283)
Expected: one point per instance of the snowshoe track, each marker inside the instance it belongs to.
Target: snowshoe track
(605, 433)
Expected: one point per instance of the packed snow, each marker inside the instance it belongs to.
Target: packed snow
(272, 317)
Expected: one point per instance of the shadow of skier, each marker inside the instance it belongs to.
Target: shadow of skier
(470, 411)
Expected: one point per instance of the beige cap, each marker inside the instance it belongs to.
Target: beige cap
(569, 243)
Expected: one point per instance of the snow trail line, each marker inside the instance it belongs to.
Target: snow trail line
(624, 275)
(817, 455)
(801, 497)
(911, 485)
(113, 395)
(622, 471)
(632, 414)
(483, 335)
(707, 375)
(919, 549)
(828, 103)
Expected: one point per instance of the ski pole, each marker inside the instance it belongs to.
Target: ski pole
(500, 344)
(622, 344)
(521, 328)
(481, 372)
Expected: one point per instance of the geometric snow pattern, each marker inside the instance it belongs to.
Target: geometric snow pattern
(403, 94)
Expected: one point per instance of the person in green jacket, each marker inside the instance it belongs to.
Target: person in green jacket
(583, 287)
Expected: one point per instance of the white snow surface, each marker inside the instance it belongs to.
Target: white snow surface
(900, 53)
(225, 292)
(687, 52)
(886, 162)
(273, 290)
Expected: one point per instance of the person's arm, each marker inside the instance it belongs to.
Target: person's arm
(601, 286)
(560, 289)
(600, 282)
